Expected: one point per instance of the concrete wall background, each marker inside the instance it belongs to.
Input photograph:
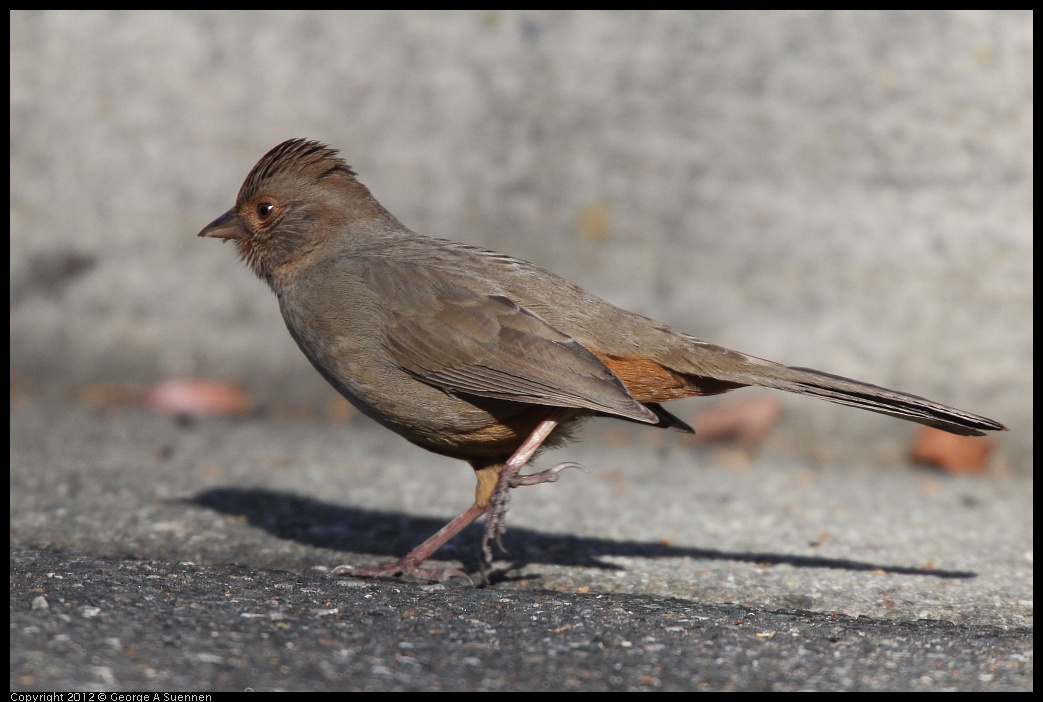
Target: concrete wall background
(848, 191)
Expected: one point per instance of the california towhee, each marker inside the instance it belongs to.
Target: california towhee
(473, 354)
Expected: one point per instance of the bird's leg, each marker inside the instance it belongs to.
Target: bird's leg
(409, 565)
(509, 478)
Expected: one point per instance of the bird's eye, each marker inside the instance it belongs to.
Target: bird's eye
(265, 210)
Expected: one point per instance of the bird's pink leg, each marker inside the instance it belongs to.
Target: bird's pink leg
(409, 565)
(509, 478)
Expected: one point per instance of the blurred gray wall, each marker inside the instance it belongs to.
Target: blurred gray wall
(849, 191)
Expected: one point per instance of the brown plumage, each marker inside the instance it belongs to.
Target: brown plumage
(467, 352)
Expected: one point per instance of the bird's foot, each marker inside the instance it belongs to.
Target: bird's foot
(544, 476)
(499, 501)
(401, 569)
(408, 567)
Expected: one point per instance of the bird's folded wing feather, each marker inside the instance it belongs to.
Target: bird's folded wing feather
(451, 336)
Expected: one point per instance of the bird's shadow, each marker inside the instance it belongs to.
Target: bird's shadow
(392, 534)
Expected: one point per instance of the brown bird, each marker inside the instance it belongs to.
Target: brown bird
(474, 354)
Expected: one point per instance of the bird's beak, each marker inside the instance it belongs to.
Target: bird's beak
(227, 226)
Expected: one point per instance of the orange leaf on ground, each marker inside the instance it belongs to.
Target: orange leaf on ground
(747, 422)
(952, 453)
(199, 398)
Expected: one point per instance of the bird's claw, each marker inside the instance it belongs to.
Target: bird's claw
(401, 570)
(496, 516)
(544, 476)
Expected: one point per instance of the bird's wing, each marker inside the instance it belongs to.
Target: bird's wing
(448, 333)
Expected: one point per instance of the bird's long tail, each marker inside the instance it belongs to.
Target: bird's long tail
(751, 370)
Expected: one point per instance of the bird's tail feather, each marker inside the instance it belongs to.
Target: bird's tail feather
(844, 391)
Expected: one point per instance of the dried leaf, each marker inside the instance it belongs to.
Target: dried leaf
(199, 398)
(950, 452)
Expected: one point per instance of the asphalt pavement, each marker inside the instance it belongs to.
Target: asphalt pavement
(154, 553)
